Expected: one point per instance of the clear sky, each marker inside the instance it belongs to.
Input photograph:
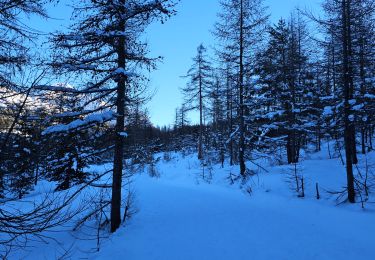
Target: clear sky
(177, 41)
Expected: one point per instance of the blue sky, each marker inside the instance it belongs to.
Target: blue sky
(177, 41)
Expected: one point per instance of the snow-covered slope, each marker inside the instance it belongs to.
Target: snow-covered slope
(182, 216)
(180, 219)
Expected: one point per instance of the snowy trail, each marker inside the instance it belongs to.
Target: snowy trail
(181, 221)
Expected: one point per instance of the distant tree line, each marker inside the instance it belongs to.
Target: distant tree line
(271, 90)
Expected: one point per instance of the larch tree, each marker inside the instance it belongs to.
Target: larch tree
(283, 95)
(347, 24)
(104, 47)
(348, 91)
(363, 69)
(239, 33)
(197, 89)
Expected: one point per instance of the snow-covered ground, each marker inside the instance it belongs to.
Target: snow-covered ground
(181, 216)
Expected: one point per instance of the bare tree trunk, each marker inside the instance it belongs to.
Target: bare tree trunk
(241, 96)
(354, 143)
(319, 139)
(363, 89)
(119, 140)
(370, 134)
(350, 78)
(1, 185)
(230, 116)
(289, 150)
(200, 148)
(363, 140)
(346, 76)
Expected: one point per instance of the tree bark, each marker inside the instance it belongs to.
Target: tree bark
(370, 134)
(230, 116)
(119, 140)
(346, 78)
(200, 148)
(350, 78)
(241, 96)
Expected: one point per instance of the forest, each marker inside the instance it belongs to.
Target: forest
(284, 123)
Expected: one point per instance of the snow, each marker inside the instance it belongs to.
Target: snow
(327, 111)
(327, 98)
(182, 220)
(97, 118)
(58, 87)
(123, 134)
(181, 216)
(358, 107)
(123, 72)
(12, 99)
(369, 96)
(271, 115)
(114, 33)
